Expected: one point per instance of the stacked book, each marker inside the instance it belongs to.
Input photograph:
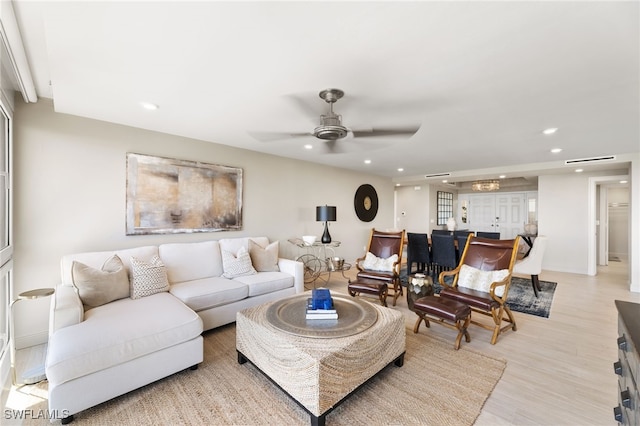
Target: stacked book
(320, 305)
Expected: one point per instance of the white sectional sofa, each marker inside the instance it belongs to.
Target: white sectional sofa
(98, 353)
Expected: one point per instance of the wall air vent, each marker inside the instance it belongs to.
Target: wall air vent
(589, 160)
(437, 175)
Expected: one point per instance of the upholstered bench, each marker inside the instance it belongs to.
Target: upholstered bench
(370, 286)
(447, 312)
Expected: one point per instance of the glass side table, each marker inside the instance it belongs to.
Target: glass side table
(36, 374)
(418, 285)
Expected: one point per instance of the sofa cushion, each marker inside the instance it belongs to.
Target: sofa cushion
(266, 282)
(97, 258)
(209, 292)
(264, 259)
(106, 338)
(191, 261)
(99, 286)
(148, 278)
(237, 265)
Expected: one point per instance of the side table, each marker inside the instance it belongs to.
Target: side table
(36, 374)
(417, 287)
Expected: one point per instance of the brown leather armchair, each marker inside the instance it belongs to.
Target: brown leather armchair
(485, 285)
(383, 245)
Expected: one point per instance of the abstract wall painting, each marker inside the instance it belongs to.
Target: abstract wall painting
(169, 196)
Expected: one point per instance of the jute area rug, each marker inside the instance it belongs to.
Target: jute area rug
(436, 386)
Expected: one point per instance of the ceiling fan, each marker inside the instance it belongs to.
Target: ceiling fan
(331, 128)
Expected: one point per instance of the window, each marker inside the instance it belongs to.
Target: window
(445, 207)
(6, 248)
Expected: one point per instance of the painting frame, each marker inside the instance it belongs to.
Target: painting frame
(173, 196)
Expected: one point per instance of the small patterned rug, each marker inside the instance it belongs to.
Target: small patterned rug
(521, 296)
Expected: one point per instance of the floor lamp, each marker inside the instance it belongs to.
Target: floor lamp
(326, 214)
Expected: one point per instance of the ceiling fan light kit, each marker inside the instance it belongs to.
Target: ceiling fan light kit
(330, 127)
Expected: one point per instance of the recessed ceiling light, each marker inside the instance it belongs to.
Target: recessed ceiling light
(444, 181)
(149, 106)
(400, 169)
(308, 146)
(624, 181)
(579, 170)
(502, 176)
(397, 184)
(556, 150)
(550, 130)
(367, 161)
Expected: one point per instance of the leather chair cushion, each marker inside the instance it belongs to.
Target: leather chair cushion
(478, 299)
(439, 307)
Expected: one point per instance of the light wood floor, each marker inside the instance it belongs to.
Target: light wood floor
(559, 369)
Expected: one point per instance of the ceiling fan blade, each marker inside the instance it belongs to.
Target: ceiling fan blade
(390, 132)
(276, 136)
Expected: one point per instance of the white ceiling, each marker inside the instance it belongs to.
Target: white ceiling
(482, 79)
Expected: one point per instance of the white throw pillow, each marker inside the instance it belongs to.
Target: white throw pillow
(237, 265)
(374, 263)
(476, 279)
(148, 278)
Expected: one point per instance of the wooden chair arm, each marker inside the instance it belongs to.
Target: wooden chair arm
(454, 273)
(358, 260)
(496, 284)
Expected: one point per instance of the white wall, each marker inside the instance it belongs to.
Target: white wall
(70, 182)
(413, 208)
(562, 216)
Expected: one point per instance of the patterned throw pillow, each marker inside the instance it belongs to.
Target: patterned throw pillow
(148, 278)
(237, 265)
(476, 279)
(374, 263)
(98, 287)
(264, 259)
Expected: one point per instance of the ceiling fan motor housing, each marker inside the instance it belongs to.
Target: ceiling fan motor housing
(330, 128)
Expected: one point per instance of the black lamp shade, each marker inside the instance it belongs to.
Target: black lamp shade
(326, 213)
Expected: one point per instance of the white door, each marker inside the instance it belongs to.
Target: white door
(482, 213)
(502, 212)
(511, 214)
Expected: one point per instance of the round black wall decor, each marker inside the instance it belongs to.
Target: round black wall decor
(366, 203)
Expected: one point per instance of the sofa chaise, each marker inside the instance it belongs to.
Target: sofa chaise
(104, 343)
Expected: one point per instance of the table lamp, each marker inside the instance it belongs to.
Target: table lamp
(326, 214)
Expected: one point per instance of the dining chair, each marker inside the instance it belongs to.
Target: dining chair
(440, 232)
(493, 235)
(418, 252)
(532, 264)
(458, 232)
(443, 253)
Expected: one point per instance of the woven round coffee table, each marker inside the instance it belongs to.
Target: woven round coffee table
(354, 316)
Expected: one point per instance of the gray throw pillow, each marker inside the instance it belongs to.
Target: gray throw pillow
(97, 287)
(264, 259)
